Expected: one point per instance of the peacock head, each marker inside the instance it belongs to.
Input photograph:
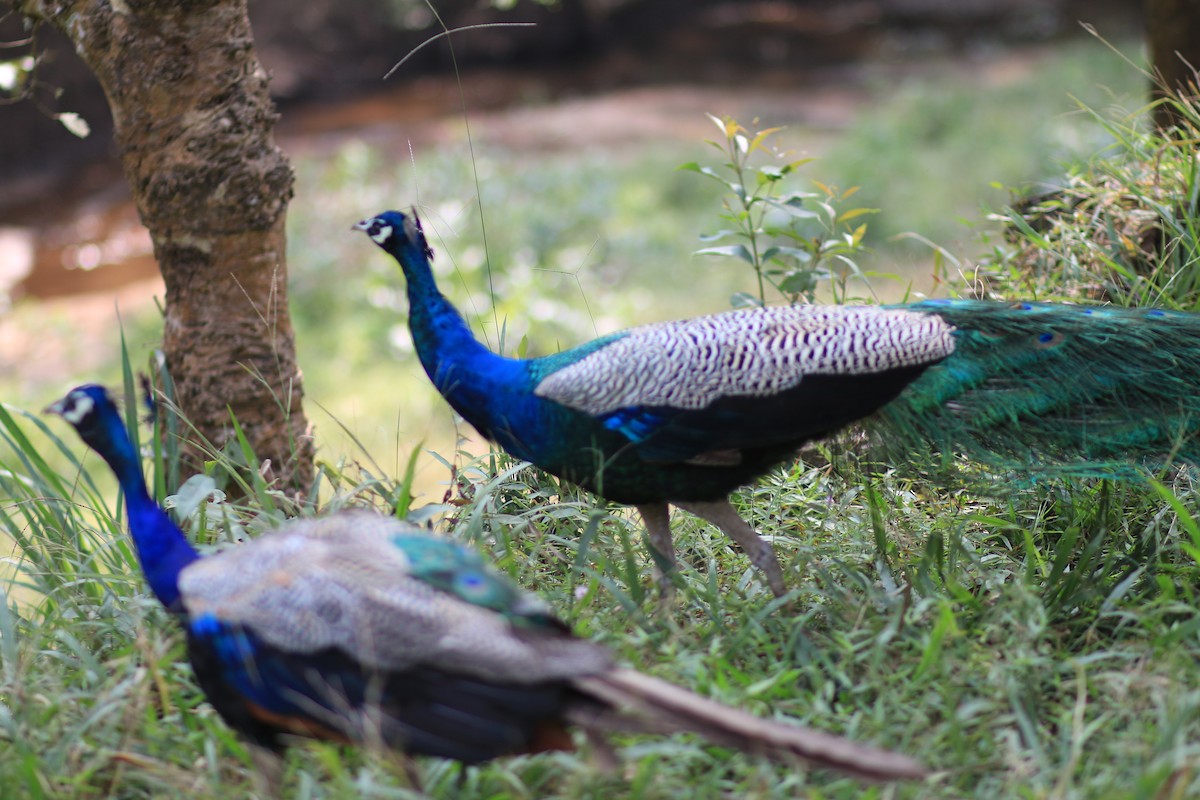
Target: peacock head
(90, 411)
(395, 232)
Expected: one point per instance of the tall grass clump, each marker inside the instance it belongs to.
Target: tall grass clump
(1123, 227)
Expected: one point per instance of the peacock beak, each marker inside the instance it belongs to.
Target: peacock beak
(56, 407)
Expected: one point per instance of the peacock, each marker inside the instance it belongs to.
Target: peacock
(682, 413)
(358, 627)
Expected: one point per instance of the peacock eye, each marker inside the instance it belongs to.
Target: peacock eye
(380, 232)
(78, 406)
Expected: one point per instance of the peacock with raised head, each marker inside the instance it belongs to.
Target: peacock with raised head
(682, 413)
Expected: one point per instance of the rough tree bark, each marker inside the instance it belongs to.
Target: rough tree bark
(1173, 30)
(193, 123)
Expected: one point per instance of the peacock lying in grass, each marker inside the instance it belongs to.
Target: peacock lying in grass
(684, 412)
(358, 627)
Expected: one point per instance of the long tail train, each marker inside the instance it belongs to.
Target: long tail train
(661, 707)
(1044, 387)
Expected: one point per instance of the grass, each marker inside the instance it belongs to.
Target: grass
(1121, 227)
(1043, 643)
(1041, 646)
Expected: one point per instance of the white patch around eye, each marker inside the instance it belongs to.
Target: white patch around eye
(382, 235)
(81, 405)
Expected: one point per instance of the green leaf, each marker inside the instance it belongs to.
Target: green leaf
(800, 254)
(945, 628)
(735, 250)
(256, 476)
(858, 234)
(761, 136)
(744, 300)
(799, 163)
(720, 123)
(714, 237)
(194, 491)
(794, 208)
(799, 282)
(1186, 520)
(855, 212)
(27, 449)
(796, 198)
(404, 495)
(692, 166)
(767, 684)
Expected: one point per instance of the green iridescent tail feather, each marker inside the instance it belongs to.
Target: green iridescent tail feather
(1057, 389)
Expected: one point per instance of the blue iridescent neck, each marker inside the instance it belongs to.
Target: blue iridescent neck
(448, 350)
(161, 547)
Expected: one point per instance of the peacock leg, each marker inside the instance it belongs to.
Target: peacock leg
(657, 517)
(268, 772)
(412, 772)
(762, 555)
(603, 756)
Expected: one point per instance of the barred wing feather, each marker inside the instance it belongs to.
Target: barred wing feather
(697, 388)
(342, 583)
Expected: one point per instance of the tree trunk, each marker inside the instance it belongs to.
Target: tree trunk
(193, 123)
(1173, 29)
